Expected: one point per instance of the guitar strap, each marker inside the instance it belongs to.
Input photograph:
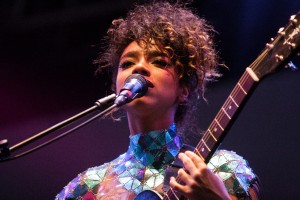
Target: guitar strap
(173, 168)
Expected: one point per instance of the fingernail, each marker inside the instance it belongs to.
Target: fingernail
(179, 155)
(178, 172)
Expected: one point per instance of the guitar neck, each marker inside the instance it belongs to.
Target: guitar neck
(222, 122)
(274, 56)
(226, 115)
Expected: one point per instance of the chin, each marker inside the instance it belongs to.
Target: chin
(143, 101)
(141, 105)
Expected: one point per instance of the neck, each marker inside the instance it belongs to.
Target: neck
(147, 123)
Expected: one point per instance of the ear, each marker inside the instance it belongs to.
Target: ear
(184, 93)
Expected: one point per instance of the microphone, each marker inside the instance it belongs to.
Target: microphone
(135, 86)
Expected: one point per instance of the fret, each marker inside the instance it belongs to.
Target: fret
(199, 154)
(238, 95)
(233, 101)
(219, 124)
(217, 132)
(247, 81)
(209, 141)
(222, 120)
(230, 107)
(205, 145)
(262, 66)
(212, 135)
(226, 112)
(241, 87)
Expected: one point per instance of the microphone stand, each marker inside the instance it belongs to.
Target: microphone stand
(5, 151)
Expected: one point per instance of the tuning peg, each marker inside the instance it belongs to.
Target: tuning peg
(269, 46)
(292, 45)
(281, 31)
(291, 66)
(278, 58)
(293, 19)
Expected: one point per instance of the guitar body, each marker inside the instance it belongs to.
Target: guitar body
(153, 195)
(148, 195)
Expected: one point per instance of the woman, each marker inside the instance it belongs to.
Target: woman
(172, 48)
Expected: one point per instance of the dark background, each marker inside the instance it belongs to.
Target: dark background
(46, 75)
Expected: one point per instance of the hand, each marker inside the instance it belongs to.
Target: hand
(199, 181)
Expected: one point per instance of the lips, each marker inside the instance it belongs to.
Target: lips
(150, 84)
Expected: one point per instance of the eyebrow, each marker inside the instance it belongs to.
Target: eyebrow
(130, 54)
(152, 54)
(149, 54)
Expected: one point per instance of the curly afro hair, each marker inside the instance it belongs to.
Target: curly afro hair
(184, 36)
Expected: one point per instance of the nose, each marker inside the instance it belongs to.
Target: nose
(141, 69)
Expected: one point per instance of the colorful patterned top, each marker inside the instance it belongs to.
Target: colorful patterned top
(143, 167)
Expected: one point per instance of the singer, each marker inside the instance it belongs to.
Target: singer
(172, 48)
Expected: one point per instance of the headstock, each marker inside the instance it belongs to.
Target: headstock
(279, 50)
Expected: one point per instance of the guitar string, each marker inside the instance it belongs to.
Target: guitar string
(245, 77)
(174, 194)
(166, 195)
(203, 143)
(254, 66)
(170, 193)
(266, 50)
(229, 102)
(220, 114)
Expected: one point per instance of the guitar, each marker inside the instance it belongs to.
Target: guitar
(274, 56)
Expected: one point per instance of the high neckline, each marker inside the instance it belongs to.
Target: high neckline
(156, 148)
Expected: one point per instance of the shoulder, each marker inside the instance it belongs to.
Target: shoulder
(87, 181)
(235, 172)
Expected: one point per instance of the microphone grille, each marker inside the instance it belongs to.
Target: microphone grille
(139, 77)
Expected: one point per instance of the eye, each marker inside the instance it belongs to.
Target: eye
(160, 63)
(126, 64)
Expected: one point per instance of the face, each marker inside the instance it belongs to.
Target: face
(164, 92)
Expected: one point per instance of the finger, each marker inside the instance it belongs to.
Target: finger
(198, 161)
(178, 187)
(202, 173)
(185, 177)
(187, 162)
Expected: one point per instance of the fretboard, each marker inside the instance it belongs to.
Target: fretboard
(225, 117)
(274, 56)
(221, 123)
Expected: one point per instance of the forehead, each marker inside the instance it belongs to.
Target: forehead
(149, 49)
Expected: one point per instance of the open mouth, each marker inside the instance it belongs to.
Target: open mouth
(150, 84)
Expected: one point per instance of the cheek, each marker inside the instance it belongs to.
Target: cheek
(171, 80)
(169, 84)
(119, 82)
